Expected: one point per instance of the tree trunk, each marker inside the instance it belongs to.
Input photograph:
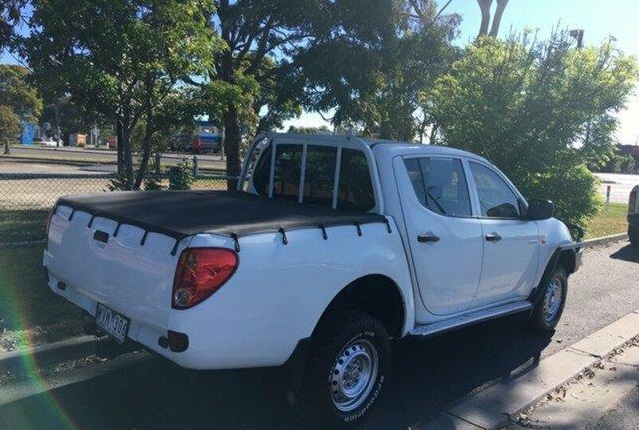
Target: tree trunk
(127, 157)
(146, 154)
(501, 5)
(484, 6)
(232, 140)
(118, 147)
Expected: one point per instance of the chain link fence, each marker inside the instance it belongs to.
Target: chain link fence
(26, 199)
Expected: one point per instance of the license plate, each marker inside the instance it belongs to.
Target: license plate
(114, 324)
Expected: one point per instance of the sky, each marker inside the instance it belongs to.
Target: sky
(599, 19)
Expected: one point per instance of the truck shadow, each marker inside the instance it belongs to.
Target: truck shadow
(427, 377)
(627, 253)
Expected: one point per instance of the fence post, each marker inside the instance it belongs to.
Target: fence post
(196, 168)
(158, 160)
(7, 150)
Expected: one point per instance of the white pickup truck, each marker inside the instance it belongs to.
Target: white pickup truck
(332, 246)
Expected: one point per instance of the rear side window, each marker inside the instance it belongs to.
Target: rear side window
(440, 185)
(286, 177)
(355, 186)
(496, 198)
(320, 175)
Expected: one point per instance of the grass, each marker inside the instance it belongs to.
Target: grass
(30, 313)
(607, 222)
(22, 225)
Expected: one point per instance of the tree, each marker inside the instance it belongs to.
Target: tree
(376, 68)
(308, 130)
(10, 16)
(120, 59)
(484, 6)
(18, 94)
(254, 74)
(532, 108)
(10, 126)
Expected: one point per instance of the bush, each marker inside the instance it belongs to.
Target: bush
(181, 177)
(574, 192)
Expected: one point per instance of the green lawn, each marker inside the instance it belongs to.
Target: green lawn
(30, 313)
(607, 222)
(22, 225)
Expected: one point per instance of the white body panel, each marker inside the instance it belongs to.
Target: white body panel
(274, 299)
(279, 291)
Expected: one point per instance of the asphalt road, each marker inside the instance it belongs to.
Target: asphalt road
(620, 185)
(427, 376)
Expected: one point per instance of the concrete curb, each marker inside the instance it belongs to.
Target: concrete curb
(53, 353)
(491, 409)
(605, 239)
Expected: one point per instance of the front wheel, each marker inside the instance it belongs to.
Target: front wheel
(548, 310)
(346, 370)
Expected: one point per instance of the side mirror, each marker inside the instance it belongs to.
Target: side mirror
(540, 209)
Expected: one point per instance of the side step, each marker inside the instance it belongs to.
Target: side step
(470, 319)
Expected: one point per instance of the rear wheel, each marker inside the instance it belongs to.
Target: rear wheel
(346, 370)
(548, 310)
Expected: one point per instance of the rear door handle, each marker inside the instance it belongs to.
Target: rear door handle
(493, 237)
(427, 237)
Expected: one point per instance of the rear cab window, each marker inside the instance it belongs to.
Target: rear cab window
(308, 173)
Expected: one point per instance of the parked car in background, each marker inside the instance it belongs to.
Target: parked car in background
(330, 247)
(633, 216)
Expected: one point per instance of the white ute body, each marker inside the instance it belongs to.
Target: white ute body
(280, 290)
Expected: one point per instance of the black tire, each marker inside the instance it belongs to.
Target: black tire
(318, 396)
(545, 316)
(633, 235)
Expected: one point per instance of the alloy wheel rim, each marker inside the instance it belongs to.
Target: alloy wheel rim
(353, 375)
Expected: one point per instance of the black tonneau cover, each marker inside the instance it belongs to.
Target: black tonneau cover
(179, 214)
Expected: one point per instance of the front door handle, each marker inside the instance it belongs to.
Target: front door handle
(427, 237)
(493, 237)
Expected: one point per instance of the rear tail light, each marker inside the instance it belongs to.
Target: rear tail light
(633, 201)
(201, 272)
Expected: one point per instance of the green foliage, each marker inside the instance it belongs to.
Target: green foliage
(181, 177)
(17, 93)
(10, 126)
(539, 110)
(120, 183)
(10, 15)
(153, 184)
(620, 163)
(120, 59)
(308, 130)
(377, 67)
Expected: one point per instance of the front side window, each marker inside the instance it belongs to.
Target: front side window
(440, 185)
(496, 199)
(355, 187)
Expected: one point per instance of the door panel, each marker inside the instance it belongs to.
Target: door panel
(446, 249)
(510, 264)
(511, 244)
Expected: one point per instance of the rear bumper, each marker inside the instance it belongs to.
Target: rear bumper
(208, 347)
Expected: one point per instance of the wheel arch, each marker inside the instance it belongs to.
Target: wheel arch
(375, 294)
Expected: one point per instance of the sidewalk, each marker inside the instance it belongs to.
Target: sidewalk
(604, 397)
